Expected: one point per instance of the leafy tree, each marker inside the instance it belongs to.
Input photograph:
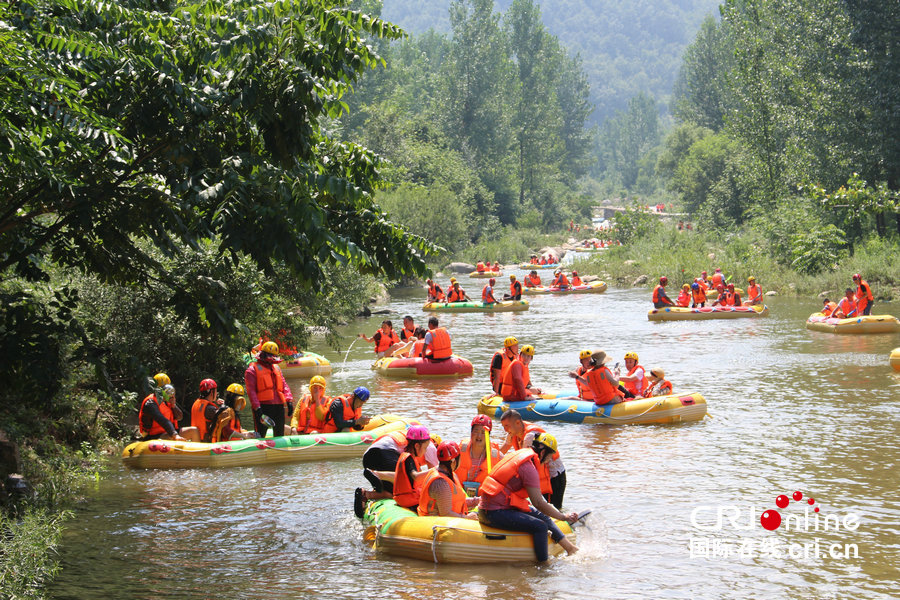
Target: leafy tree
(701, 169)
(629, 136)
(701, 92)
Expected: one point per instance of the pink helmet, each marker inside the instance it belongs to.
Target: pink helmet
(447, 451)
(417, 433)
(484, 421)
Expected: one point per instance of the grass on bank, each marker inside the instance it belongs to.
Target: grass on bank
(682, 255)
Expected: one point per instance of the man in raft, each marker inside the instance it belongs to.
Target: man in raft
(754, 292)
(409, 329)
(487, 292)
(442, 493)
(846, 307)
(515, 289)
(519, 434)
(345, 412)
(437, 344)
(435, 292)
(660, 298)
(506, 493)
(501, 359)
(159, 415)
(532, 279)
(268, 391)
(580, 375)
(864, 297)
(515, 380)
(456, 293)
(560, 281)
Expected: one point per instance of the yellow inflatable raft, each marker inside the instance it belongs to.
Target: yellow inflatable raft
(485, 274)
(165, 454)
(677, 313)
(895, 359)
(865, 324)
(306, 365)
(468, 307)
(401, 532)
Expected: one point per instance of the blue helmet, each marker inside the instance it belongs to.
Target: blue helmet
(361, 393)
(695, 286)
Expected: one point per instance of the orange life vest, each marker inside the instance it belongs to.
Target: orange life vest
(456, 295)
(848, 307)
(698, 295)
(385, 341)
(440, 343)
(576, 280)
(507, 387)
(717, 279)
(407, 334)
(504, 471)
(435, 292)
(417, 349)
(487, 294)
(631, 386)
(543, 261)
(827, 309)
(466, 471)
(543, 470)
(864, 291)
(658, 292)
(754, 292)
(198, 419)
(496, 267)
(329, 426)
(156, 428)
(584, 389)
(307, 418)
(515, 289)
(406, 492)
(398, 436)
(683, 300)
(532, 280)
(505, 360)
(561, 281)
(602, 389)
(428, 505)
(480, 267)
(665, 384)
(269, 384)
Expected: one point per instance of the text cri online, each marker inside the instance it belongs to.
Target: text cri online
(746, 518)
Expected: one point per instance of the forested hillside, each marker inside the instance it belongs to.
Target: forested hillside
(626, 47)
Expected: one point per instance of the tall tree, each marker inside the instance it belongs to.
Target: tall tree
(701, 90)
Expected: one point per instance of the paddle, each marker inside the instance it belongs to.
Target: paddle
(269, 423)
(581, 517)
(487, 449)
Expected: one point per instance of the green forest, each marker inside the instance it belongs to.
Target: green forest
(178, 179)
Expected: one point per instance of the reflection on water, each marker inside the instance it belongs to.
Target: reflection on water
(791, 410)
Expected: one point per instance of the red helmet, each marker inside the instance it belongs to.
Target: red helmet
(663, 279)
(447, 451)
(207, 385)
(484, 421)
(856, 276)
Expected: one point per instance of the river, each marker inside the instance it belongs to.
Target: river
(791, 411)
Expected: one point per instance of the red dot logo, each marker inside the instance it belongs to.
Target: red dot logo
(811, 501)
(770, 520)
(798, 496)
(782, 501)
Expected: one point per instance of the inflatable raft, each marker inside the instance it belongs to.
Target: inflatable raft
(529, 266)
(566, 407)
(465, 307)
(594, 287)
(865, 324)
(484, 274)
(895, 359)
(677, 313)
(166, 454)
(392, 366)
(401, 532)
(306, 365)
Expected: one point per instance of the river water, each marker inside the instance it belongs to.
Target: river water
(791, 411)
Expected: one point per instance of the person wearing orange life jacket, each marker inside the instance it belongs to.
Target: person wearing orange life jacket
(435, 293)
(720, 298)
(532, 279)
(864, 297)
(506, 493)
(437, 344)
(236, 401)
(479, 267)
(456, 293)
(501, 359)
(205, 410)
(684, 298)
(472, 467)
(414, 346)
(311, 413)
(580, 375)
(267, 390)
(847, 306)
(658, 385)
(604, 387)
(442, 493)
(409, 329)
(543, 260)
(828, 307)
(560, 281)
(534, 260)
(159, 415)
(754, 292)
(345, 412)
(380, 463)
(497, 267)
(704, 281)
(718, 278)
(411, 468)
(633, 381)
(520, 434)
(515, 289)
(660, 298)
(515, 380)
(386, 340)
(728, 297)
(698, 295)
(576, 280)
(487, 292)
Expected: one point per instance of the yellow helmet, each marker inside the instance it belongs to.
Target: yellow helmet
(512, 277)
(529, 350)
(270, 347)
(631, 355)
(751, 278)
(453, 280)
(317, 380)
(510, 341)
(584, 354)
(435, 439)
(547, 440)
(235, 388)
(161, 379)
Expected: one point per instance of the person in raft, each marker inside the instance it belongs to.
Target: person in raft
(828, 307)
(604, 387)
(660, 298)
(268, 391)
(159, 415)
(386, 340)
(497, 267)
(506, 493)
(532, 279)
(311, 412)
(754, 292)
(437, 343)
(456, 293)
(515, 289)
(480, 266)
(442, 493)
(413, 347)
(580, 375)
(633, 382)
(560, 281)
(472, 467)
(658, 385)
(515, 380)
(864, 297)
(380, 463)
(519, 434)
(435, 292)
(409, 329)
(704, 281)
(698, 295)
(501, 359)
(684, 298)
(717, 278)
(576, 280)
(236, 401)
(846, 307)
(345, 412)
(210, 415)
(487, 292)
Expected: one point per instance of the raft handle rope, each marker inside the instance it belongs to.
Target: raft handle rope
(590, 413)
